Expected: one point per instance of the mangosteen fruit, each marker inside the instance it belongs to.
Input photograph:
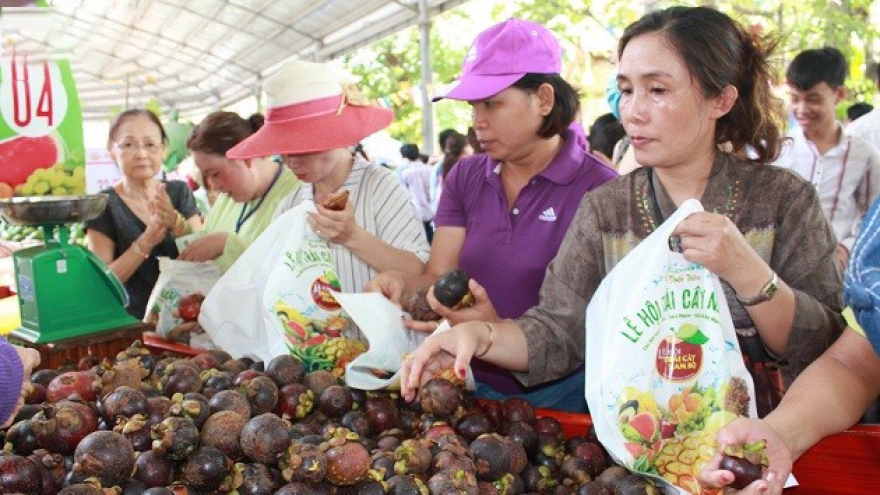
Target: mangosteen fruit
(419, 308)
(19, 474)
(285, 369)
(295, 400)
(296, 488)
(180, 379)
(177, 436)
(205, 469)
(491, 456)
(105, 455)
(52, 469)
(347, 464)
(517, 409)
(593, 488)
(451, 289)
(264, 438)
(44, 376)
(60, 429)
(746, 462)
(69, 383)
(473, 424)
(136, 431)
(259, 479)
(357, 422)
(460, 482)
(633, 484)
(214, 381)
(523, 434)
(124, 401)
(382, 413)
(335, 401)
(153, 469)
(318, 380)
(230, 400)
(262, 394)
(21, 437)
(303, 462)
(440, 397)
(406, 484)
(413, 457)
(223, 430)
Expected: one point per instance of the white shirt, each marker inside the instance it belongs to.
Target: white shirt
(417, 180)
(867, 127)
(847, 178)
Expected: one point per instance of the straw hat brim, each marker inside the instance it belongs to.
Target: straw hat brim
(314, 134)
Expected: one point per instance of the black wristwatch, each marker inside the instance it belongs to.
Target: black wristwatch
(766, 293)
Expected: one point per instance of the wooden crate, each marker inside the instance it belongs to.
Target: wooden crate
(844, 464)
(101, 345)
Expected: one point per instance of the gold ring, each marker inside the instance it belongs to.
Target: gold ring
(407, 357)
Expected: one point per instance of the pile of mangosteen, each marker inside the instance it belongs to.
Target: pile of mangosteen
(211, 424)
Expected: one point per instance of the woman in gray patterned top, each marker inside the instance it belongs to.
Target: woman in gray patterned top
(691, 80)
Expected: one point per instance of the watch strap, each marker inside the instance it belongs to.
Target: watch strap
(765, 294)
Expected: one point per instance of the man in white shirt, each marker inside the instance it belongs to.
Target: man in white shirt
(844, 169)
(409, 154)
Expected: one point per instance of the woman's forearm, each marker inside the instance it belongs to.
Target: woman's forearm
(503, 344)
(830, 395)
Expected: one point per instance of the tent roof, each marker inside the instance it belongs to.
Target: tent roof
(195, 56)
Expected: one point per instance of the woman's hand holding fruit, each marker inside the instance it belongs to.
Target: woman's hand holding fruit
(743, 432)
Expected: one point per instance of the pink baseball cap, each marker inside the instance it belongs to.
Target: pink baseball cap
(501, 56)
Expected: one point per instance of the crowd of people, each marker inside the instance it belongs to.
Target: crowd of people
(538, 212)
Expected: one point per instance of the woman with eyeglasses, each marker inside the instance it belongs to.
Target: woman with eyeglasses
(144, 215)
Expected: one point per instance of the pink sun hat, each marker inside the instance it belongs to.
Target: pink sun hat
(501, 56)
(311, 108)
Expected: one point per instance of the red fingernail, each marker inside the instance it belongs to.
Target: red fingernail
(462, 373)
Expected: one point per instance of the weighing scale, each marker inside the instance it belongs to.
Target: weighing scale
(64, 290)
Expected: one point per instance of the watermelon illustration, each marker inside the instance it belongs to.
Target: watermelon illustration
(21, 155)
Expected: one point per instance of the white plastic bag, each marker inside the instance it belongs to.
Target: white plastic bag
(178, 279)
(277, 297)
(390, 341)
(664, 366)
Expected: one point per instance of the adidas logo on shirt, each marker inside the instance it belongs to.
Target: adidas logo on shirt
(548, 215)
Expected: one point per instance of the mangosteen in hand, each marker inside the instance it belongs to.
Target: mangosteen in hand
(451, 290)
(418, 307)
(746, 462)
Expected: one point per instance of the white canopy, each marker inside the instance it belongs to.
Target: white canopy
(195, 56)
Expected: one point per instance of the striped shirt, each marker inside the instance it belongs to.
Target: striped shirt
(382, 207)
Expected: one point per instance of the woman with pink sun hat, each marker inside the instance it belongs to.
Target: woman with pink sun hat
(314, 119)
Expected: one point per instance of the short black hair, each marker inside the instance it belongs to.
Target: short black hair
(815, 66)
(856, 110)
(410, 151)
(606, 137)
(600, 122)
(441, 138)
(565, 108)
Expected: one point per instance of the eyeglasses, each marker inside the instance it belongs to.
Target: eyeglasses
(132, 147)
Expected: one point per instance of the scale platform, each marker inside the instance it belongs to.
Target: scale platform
(64, 290)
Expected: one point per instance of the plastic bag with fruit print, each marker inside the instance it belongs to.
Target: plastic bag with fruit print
(278, 299)
(175, 302)
(665, 371)
(301, 309)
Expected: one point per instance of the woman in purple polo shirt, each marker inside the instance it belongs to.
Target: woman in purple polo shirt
(503, 213)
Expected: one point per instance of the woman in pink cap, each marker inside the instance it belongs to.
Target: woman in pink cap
(313, 120)
(503, 213)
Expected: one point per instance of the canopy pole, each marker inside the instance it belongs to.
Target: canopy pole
(427, 107)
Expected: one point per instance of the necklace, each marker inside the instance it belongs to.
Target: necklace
(245, 215)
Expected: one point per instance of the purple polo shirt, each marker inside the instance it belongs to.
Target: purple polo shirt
(507, 250)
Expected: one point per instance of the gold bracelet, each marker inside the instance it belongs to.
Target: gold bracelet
(138, 251)
(491, 340)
